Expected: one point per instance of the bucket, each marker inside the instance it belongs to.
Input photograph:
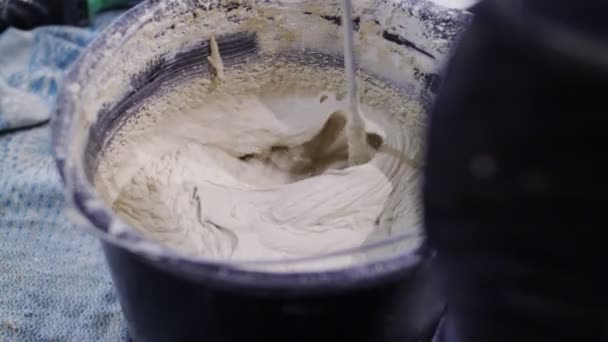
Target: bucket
(168, 296)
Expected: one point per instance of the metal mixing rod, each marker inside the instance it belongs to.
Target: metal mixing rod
(356, 136)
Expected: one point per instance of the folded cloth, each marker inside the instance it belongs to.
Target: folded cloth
(54, 285)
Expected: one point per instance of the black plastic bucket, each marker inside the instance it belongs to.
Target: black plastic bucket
(168, 297)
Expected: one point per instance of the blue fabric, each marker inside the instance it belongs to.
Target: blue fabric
(54, 284)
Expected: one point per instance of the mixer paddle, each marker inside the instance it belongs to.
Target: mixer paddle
(356, 136)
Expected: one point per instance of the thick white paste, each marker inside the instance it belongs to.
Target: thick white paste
(233, 175)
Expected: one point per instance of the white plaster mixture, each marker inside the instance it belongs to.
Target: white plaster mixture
(460, 4)
(253, 164)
